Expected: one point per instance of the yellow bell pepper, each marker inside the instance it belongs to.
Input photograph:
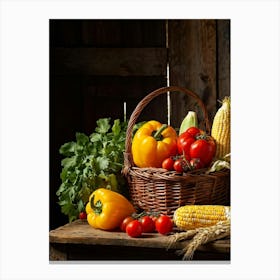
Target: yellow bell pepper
(152, 143)
(106, 209)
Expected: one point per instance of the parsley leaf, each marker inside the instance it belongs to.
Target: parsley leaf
(89, 163)
(103, 125)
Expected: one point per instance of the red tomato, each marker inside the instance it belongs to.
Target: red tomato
(83, 215)
(168, 164)
(178, 166)
(164, 224)
(184, 142)
(148, 224)
(134, 228)
(200, 146)
(193, 131)
(125, 222)
(204, 149)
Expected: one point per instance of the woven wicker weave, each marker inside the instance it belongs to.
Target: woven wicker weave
(159, 190)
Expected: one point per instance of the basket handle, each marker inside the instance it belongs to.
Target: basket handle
(145, 101)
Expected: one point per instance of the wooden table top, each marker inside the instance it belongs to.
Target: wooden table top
(80, 232)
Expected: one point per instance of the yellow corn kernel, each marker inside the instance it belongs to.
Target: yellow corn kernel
(221, 129)
(195, 216)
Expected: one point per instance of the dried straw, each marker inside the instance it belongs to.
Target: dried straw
(199, 237)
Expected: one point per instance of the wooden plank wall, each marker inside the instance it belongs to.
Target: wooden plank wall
(199, 59)
(119, 59)
(96, 65)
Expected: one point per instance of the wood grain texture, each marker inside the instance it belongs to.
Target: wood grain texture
(111, 61)
(192, 59)
(123, 33)
(223, 53)
(57, 253)
(80, 232)
(104, 96)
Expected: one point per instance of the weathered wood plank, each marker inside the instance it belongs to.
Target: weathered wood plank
(104, 97)
(80, 232)
(192, 60)
(57, 254)
(111, 61)
(223, 52)
(143, 33)
(126, 33)
(101, 33)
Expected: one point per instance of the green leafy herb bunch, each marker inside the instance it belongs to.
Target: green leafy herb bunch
(89, 163)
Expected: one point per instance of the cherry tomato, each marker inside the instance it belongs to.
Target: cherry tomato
(134, 228)
(178, 165)
(168, 164)
(182, 165)
(148, 224)
(196, 163)
(164, 224)
(83, 215)
(125, 222)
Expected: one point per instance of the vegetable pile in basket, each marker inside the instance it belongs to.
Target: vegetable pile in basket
(158, 145)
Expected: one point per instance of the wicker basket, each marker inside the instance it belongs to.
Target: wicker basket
(159, 190)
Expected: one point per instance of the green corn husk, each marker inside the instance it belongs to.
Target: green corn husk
(189, 121)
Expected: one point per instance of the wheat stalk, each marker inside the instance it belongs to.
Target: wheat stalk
(200, 236)
(179, 236)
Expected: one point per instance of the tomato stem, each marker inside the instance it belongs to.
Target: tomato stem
(202, 136)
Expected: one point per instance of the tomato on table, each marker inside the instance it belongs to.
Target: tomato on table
(134, 229)
(148, 224)
(125, 222)
(164, 224)
(83, 215)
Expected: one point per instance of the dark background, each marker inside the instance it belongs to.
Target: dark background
(97, 65)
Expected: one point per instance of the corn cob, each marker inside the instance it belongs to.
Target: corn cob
(189, 121)
(221, 129)
(195, 216)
